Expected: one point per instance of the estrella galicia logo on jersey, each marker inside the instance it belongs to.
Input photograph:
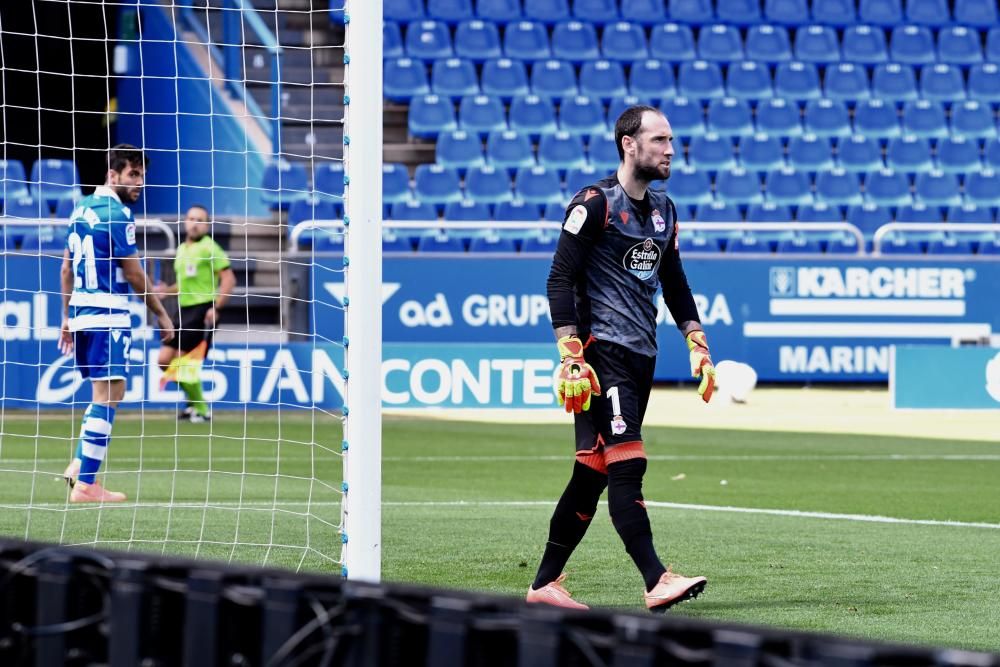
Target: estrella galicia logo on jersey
(659, 224)
(782, 281)
(641, 259)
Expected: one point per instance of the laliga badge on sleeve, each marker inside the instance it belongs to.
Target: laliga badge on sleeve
(130, 233)
(618, 425)
(659, 224)
(578, 216)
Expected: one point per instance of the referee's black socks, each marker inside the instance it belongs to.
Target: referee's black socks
(628, 514)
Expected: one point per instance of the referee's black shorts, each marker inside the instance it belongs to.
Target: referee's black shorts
(615, 417)
(191, 327)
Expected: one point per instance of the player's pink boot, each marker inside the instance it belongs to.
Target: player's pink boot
(671, 589)
(94, 493)
(554, 594)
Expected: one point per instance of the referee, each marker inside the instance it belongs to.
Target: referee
(204, 283)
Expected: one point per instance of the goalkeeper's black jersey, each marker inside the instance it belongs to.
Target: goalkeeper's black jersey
(613, 254)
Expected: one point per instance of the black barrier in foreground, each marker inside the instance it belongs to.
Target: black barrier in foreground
(73, 606)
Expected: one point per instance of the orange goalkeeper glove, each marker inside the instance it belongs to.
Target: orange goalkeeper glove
(701, 364)
(576, 381)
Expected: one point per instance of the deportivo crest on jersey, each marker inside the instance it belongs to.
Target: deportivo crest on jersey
(659, 224)
(641, 259)
(618, 425)
(574, 223)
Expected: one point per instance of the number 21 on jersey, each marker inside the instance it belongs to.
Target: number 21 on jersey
(82, 249)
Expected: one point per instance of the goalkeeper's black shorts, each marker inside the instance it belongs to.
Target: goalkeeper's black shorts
(191, 327)
(616, 415)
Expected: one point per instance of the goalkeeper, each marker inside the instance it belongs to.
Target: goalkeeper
(204, 283)
(617, 247)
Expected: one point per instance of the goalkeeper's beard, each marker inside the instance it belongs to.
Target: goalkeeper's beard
(650, 174)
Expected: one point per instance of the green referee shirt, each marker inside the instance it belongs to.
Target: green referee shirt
(197, 266)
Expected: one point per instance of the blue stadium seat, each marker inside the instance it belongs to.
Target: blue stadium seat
(842, 244)
(52, 180)
(876, 118)
(958, 45)
(886, 187)
(686, 118)
(761, 152)
(819, 211)
(283, 183)
(395, 183)
(646, 12)
(894, 82)
(797, 242)
(827, 118)
(970, 212)
(942, 82)
(440, 241)
(498, 10)
(834, 12)
(697, 242)
(868, 217)
(983, 187)
(467, 211)
(314, 208)
(746, 242)
(932, 13)
(778, 118)
(428, 40)
(712, 152)
(449, 11)
(581, 177)
(596, 11)
(817, 44)
(603, 79)
(392, 41)
(911, 44)
(973, 120)
(788, 186)
(328, 179)
(976, 13)
(509, 150)
(958, 155)
(769, 211)
(554, 212)
(738, 12)
(532, 115)
(13, 181)
(505, 78)
(430, 115)
(547, 11)
(526, 40)
(542, 242)
(64, 208)
(492, 242)
(602, 152)
(516, 210)
(625, 42)
(730, 117)
(984, 82)
(909, 154)
(454, 78)
(838, 187)
(738, 186)
(574, 41)
(436, 184)
(989, 245)
(488, 185)
(478, 41)
(555, 79)
(991, 154)
(993, 45)
(30, 208)
(538, 185)
(582, 116)
(949, 244)
(918, 212)
(786, 12)
(482, 114)
(413, 210)
(404, 78)
(561, 151)
(691, 11)
(720, 43)
(797, 81)
(768, 43)
(688, 186)
(700, 80)
(748, 80)
(899, 244)
(865, 44)
(718, 211)
(859, 154)
(880, 12)
(619, 104)
(403, 10)
(810, 153)
(846, 82)
(652, 79)
(671, 42)
(925, 119)
(393, 242)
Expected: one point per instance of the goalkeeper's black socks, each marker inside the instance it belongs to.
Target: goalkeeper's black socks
(570, 520)
(628, 514)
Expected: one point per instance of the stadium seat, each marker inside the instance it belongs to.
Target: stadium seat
(440, 241)
(842, 244)
(786, 12)
(498, 10)
(993, 45)
(542, 242)
(745, 242)
(492, 242)
(712, 152)
(778, 118)
(827, 118)
(700, 80)
(949, 244)
(911, 44)
(838, 187)
(932, 13)
(685, 116)
(13, 181)
(688, 186)
(314, 208)
(582, 116)
(748, 80)
(516, 210)
(538, 185)
(505, 78)
(430, 115)
(816, 44)
(691, 11)
(436, 184)
(393, 242)
(413, 211)
(547, 11)
(970, 212)
(645, 12)
(328, 179)
(403, 10)
(730, 117)
(976, 13)
(984, 82)
(810, 153)
(652, 79)
(29, 208)
(554, 79)
(574, 41)
(983, 187)
(769, 211)
(819, 211)
(865, 44)
(509, 150)
(718, 211)
(392, 41)
(671, 42)
(909, 153)
(834, 12)
(972, 120)
(619, 104)
(859, 154)
(989, 245)
(488, 185)
(581, 177)
(52, 180)
(868, 217)
(554, 212)
(880, 12)
(761, 152)
(467, 210)
(428, 40)
(526, 40)
(958, 155)
(697, 242)
(942, 82)
(738, 12)
(454, 78)
(846, 82)
(991, 154)
(603, 79)
(720, 43)
(918, 212)
(886, 187)
(596, 11)
(561, 151)
(481, 114)
(768, 44)
(893, 82)
(624, 42)
(925, 119)
(788, 186)
(405, 78)
(876, 118)
(449, 11)
(797, 81)
(478, 41)
(283, 183)
(958, 45)
(797, 242)
(395, 183)
(738, 186)
(602, 152)
(64, 208)
(899, 244)
(532, 115)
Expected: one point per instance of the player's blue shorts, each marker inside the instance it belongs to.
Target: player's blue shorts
(102, 354)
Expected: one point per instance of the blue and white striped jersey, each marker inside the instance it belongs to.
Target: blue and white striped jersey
(101, 231)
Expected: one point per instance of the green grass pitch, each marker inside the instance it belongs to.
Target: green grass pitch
(467, 506)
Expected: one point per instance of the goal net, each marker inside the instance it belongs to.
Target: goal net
(248, 114)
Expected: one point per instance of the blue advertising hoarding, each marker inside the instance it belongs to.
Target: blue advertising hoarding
(964, 378)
